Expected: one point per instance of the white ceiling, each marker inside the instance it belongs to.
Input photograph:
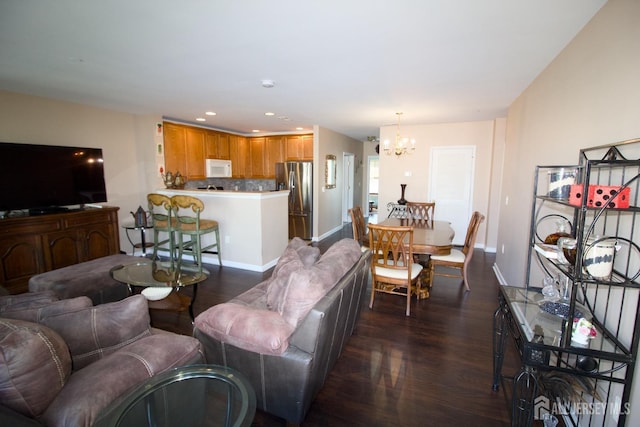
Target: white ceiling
(347, 65)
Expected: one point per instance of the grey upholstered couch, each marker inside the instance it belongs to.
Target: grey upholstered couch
(63, 361)
(286, 333)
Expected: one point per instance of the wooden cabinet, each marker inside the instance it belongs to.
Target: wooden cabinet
(216, 145)
(187, 147)
(184, 150)
(239, 152)
(265, 152)
(299, 147)
(35, 244)
(257, 155)
(275, 154)
(175, 156)
(194, 149)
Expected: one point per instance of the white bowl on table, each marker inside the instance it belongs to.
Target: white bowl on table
(155, 293)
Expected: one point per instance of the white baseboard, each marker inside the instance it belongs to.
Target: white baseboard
(499, 276)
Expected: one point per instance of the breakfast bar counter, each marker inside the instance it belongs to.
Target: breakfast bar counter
(253, 225)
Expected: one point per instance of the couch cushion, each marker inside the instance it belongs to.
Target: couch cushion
(91, 389)
(95, 332)
(37, 313)
(261, 331)
(34, 366)
(26, 300)
(287, 264)
(306, 286)
(89, 278)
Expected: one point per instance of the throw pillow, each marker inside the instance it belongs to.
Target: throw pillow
(36, 314)
(307, 286)
(95, 332)
(288, 263)
(298, 254)
(34, 366)
(308, 255)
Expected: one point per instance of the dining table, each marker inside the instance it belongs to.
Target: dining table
(430, 237)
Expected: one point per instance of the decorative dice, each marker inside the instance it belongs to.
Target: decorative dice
(599, 195)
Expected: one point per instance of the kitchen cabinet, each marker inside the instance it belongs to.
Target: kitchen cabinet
(194, 150)
(175, 156)
(578, 318)
(258, 157)
(35, 244)
(299, 147)
(275, 154)
(216, 145)
(239, 153)
(187, 147)
(184, 150)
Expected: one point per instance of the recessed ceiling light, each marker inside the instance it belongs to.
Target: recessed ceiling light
(299, 128)
(210, 113)
(268, 83)
(269, 113)
(255, 130)
(283, 117)
(201, 119)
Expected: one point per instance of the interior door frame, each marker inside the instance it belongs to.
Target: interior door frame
(348, 173)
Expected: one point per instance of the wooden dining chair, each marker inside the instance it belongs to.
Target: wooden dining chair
(458, 259)
(162, 221)
(423, 211)
(392, 268)
(187, 211)
(359, 227)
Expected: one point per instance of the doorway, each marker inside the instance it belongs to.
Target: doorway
(451, 186)
(347, 188)
(373, 185)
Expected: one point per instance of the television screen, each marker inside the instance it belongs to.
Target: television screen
(42, 178)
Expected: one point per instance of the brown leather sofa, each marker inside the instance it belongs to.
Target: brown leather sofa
(63, 361)
(286, 333)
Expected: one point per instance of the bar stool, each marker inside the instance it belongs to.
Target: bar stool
(194, 227)
(161, 214)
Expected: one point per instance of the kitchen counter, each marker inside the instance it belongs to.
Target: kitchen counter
(253, 225)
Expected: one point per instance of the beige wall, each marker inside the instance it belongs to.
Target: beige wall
(589, 95)
(327, 204)
(413, 169)
(128, 142)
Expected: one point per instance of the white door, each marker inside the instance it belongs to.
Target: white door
(452, 171)
(347, 189)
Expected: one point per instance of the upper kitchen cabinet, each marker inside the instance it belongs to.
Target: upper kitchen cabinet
(299, 147)
(184, 150)
(258, 157)
(194, 149)
(175, 158)
(216, 145)
(275, 148)
(265, 152)
(239, 152)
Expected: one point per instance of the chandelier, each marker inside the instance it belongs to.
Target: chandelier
(403, 145)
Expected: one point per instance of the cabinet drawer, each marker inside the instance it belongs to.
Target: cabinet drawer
(18, 226)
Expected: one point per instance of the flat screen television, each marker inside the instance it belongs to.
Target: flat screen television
(49, 178)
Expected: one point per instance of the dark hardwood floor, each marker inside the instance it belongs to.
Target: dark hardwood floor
(431, 369)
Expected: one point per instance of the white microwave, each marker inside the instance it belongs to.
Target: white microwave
(217, 168)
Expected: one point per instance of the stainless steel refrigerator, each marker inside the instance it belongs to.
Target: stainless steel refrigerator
(297, 177)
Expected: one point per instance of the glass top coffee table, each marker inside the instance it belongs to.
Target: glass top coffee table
(156, 277)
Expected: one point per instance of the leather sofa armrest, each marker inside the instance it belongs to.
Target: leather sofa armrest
(9, 417)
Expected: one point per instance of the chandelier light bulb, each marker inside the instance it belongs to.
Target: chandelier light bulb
(403, 145)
